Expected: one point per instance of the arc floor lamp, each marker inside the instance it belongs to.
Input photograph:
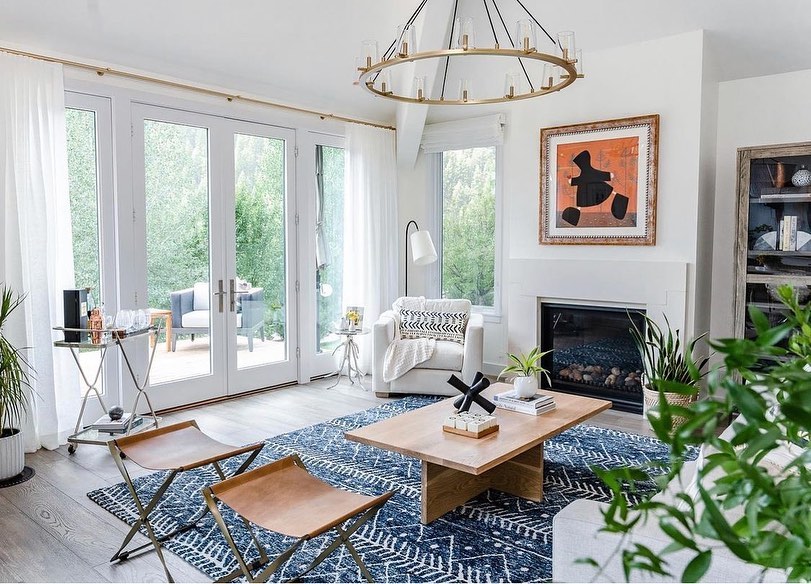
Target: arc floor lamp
(423, 251)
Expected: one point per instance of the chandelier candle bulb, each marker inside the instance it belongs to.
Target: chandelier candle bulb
(419, 88)
(525, 35)
(385, 82)
(466, 38)
(567, 45)
(464, 90)
(369, 52)
(551, 76)
(407, 36)
(511, 84)
(579, 63)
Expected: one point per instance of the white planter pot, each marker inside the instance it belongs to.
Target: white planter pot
(12, 455)
(525, 386)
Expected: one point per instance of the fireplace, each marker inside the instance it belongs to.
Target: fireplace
(593, 353)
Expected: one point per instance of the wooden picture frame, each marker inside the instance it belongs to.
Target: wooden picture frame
(598, 182)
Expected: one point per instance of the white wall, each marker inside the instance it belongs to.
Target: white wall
(415, 190)
(751, 112)
(662, 76)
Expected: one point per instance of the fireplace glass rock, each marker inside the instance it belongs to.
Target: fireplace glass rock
(594, 353)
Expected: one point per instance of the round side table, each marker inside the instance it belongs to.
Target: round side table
(350, 358)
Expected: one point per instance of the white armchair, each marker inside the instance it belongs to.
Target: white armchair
(449, 357)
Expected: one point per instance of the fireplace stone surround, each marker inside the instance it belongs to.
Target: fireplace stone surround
(658, 288)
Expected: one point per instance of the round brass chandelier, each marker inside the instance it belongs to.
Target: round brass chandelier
(562, 63)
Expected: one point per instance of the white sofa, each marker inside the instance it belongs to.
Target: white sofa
(431, 377)
(576, 534)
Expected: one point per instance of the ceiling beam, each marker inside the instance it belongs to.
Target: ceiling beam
(433, 28)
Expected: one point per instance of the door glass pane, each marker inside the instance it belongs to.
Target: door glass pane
(84, 212)
(329, 244)
(177, 245)
(261, 302)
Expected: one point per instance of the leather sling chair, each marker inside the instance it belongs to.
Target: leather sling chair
(285, 498)
(176, 448)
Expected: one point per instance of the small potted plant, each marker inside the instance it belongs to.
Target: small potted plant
(526, 369)
(14, 392)
(665, 359)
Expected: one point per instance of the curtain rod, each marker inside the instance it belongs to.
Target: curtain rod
(188, 86)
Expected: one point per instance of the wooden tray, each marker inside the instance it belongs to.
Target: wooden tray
(481, 434)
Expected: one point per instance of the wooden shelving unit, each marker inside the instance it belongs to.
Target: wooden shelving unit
(761, 206)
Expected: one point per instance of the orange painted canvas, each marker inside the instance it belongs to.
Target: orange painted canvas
(597, 183)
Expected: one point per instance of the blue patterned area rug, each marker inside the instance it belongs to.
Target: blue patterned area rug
(493, 538)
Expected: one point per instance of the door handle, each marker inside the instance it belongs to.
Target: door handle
(220, 294)
(232, 289)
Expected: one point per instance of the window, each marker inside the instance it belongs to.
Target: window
(84, 206)
(469, 237)
(330, 163)
(86, 122)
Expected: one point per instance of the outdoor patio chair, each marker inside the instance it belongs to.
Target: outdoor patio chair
(176, 448)
(283, 497)
(191, 312)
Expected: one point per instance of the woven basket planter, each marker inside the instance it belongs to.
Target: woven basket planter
(651, 400)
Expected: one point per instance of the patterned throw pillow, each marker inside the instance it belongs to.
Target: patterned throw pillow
(442, 326)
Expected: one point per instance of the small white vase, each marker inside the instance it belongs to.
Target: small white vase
(525, 386)
(12, 455)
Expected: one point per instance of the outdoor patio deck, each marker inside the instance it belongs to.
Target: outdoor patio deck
(192, 358)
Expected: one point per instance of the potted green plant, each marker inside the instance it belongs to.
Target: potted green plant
(526, 368)
(14, 391)
(750, 496)
(665, 359)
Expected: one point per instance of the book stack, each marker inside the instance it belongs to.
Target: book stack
(105, 424)
(787, 233)
(534, 406)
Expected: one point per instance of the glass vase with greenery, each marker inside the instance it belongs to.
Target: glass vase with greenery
(752, 492)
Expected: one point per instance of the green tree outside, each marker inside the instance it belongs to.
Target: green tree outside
(83, 193)
(469, 225)
(177, 214)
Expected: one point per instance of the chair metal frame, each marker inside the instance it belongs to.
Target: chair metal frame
(251, 570)
(145, 509)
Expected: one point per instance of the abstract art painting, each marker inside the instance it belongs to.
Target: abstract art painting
(598, 182)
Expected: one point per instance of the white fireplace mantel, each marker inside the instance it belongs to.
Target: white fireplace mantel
(660, 287)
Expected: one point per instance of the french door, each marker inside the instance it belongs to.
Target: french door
(215, 243)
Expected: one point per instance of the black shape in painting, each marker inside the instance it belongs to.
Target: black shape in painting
(593, 188)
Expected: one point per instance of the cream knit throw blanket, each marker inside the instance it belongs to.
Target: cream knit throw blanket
(405, 354)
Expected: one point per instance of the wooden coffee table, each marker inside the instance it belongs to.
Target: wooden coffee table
(456, 468)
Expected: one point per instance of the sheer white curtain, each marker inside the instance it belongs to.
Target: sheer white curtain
(370, 225)
(36, 256)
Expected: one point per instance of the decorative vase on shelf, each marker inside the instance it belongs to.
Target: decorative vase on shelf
(801, 178)
(781, 176)
(525, 386)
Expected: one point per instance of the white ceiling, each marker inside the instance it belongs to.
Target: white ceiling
(302, 51)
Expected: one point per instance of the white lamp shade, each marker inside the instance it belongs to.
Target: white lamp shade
(422, 248)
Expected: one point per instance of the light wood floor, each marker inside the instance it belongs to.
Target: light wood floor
(50, 531)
